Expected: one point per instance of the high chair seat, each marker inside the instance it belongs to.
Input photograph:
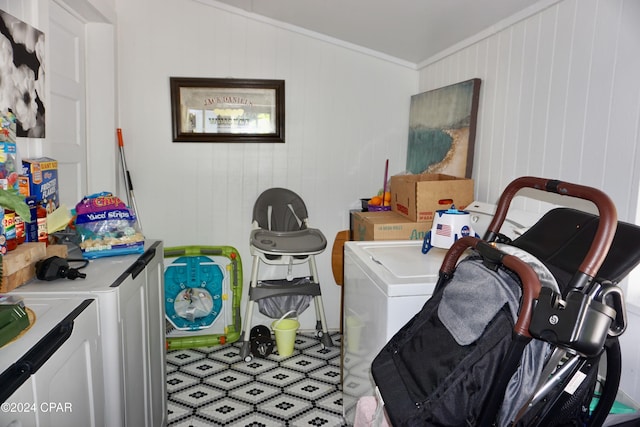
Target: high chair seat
(309, 241)
(281, 236)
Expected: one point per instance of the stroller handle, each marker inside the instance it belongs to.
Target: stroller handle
(530, 281)
(606, 226)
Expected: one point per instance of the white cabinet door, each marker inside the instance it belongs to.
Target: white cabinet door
(156, 356)
(67, 385)
(134, 326)
(66, 121)
(141, 320)
(129, 291)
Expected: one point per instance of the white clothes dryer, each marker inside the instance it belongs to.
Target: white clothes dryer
(385, 284)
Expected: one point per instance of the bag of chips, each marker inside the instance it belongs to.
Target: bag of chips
(107, 227)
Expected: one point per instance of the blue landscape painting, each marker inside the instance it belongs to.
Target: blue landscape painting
(442, 129)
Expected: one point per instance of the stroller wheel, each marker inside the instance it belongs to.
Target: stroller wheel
(319, 334)
(248, 358)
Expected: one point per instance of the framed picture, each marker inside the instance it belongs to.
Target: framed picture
(227, 110)
(22, 71)
(442, 129)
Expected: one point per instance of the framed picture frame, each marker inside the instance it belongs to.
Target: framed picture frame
(227, 110)
(23, 77)
(442, 129)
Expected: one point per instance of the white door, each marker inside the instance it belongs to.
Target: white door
(66, 124)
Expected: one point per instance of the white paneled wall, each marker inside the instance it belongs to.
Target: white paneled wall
(560, 98)
(346, 112)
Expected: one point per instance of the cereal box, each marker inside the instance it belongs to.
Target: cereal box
(40, 176)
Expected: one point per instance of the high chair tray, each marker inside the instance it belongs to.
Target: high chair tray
(305, 241)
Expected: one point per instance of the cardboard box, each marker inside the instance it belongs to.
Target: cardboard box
(19, 265)
(418, 197)
(387, 225)
(40, 177)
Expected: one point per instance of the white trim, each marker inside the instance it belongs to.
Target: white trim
(490, 31)
(633, 308)
(633, 293)
(309, 33)
(632, 289)
(88, 11)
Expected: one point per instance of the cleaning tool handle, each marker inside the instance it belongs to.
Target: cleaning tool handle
(131, 198)
(129, 182)
(120, 142)
(386, 175)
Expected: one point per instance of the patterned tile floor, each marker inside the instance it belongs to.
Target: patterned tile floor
(213, 387)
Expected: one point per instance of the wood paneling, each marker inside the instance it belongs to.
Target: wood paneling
(560, 98)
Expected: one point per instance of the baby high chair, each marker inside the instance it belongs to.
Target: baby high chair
(281, 236)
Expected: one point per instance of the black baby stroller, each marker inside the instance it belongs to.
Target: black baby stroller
(518, 331)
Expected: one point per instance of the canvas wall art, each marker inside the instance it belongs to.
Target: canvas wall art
(22, 75)
(442, 127)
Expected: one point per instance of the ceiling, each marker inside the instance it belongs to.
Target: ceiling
(409, 30)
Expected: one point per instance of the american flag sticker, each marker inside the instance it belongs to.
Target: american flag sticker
(443, 230)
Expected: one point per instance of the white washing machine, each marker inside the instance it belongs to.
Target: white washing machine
(385, 284)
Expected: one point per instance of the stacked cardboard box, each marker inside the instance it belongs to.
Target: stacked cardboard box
(414, 202)
(386, 225)
(418, 197)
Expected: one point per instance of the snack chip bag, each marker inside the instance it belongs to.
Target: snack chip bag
(107, 227)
